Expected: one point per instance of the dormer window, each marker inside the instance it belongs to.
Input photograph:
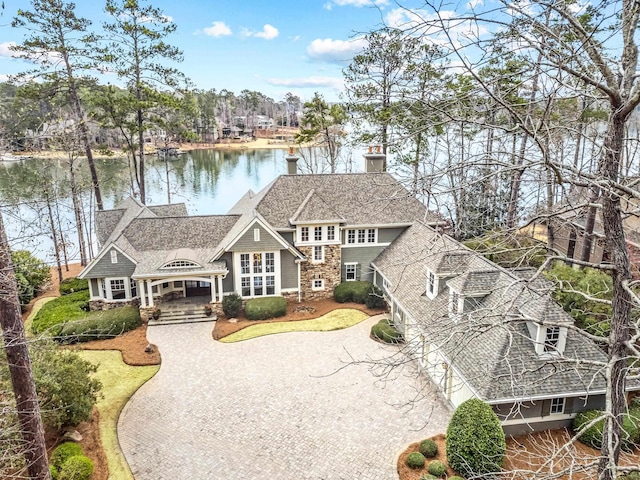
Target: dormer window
(431, 283)
(455, 302)
(552, 339)
(317, 234)
(304, 234)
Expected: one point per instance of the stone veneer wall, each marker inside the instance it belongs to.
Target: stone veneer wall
(95, 305)
(329, 271)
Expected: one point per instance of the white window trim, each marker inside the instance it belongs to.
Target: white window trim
(364, 243)
(355, 271)
(311, 238)
(169, 265)
(541, 340)
(313, 284)
(313, 254)
(114, 255)
(434, 293)
(563, 403)
(276, 273)
(127, 289)
(256, 234)
(460, 306)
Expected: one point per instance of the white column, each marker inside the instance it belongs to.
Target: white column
(220, 293)
(150, 291)
(212, 283)
(142, 293)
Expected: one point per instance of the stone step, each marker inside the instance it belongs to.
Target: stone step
(174, 319)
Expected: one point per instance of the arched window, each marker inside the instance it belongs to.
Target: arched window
(180, 264)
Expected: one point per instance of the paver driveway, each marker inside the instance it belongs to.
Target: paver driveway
(280, 407)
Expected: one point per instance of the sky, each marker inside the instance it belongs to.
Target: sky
(272, 46)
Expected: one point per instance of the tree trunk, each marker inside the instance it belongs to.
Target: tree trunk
(77, 214)
(24, 388)
(143, 198)
(54, 236)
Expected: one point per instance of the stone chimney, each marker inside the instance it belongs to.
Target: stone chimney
(292, 162)
(374, 161)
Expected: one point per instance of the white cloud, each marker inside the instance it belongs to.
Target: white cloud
(472, 4)
(269, 32)
(335, 51)
(308, 82)
(355, 3)
(5, 49)
(217, 29)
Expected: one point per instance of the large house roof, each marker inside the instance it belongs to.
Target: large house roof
(359, 198)
(489, 344)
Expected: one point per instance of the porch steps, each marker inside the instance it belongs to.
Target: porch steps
(181, 313)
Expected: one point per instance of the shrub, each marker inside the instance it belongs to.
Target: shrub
(59, 311)
(592, 436)
(415, 460)
(66, 390)
(437, 468)
(231, 305)
(53, 471)
(385, 332)
(76, 468)
(428, 448)
(72, 285)
(31, 275)
(475, 440)
(428, 476)
(352, 292)
(263, 308)
(456, 477)
(100, 325)
(375, 300)
(64, 452)
(635, 475)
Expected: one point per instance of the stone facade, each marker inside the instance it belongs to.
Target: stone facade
(96, 305)
(327, 270)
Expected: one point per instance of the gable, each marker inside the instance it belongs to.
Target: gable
(103, 266)
(246, 242)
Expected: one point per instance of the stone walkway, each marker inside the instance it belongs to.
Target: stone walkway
(290, 406)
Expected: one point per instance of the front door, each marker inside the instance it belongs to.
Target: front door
(197, 288)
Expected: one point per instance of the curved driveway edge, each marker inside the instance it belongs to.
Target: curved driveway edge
(286, 406)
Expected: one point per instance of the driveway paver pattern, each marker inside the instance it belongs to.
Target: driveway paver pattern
(292, 406)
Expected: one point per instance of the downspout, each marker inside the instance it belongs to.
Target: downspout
(299, 286)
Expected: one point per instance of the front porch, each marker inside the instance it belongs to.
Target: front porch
(154, 291)
(182, 310)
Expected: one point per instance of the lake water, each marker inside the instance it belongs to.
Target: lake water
(207, 181)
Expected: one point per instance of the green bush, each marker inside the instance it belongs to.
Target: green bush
(100, 325)
(76, 468)
(64, 452)
(475, 440)
(231, 305)
(263, 308)
(386, 332)
(428, 448)
(635, 475)
(61, 310)
(31, 275)
(352, 292)
(437, 468)
(456, 477)
(72, 285)
(375, 300)
(592, 436)
(415, 460)
(53, 471)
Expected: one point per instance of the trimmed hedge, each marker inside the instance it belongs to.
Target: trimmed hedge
(375, 300)
(437, 468)
(72, 285)
(475, 440)
(428, 448)
(386, 332)
(100, 325)
(76, 468)
(592, 436)
(73, 306)
(64, 452)
(352, 292)
(231, 305)
(263, 308)
(415, 460)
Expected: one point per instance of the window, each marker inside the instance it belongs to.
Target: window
(257, 286)
(246, 286)
(331, 232)
(371, 235)
(256, 234)
(318, 253)
(103, 287)
(350, 271)
(361, 233)
(317, 234)
(133, 285)
(269, 262)
(318, 284)
(270, 284)
(551, 339)
(431, 283)
(245, 267)
(304, 234)
(257, 263)
(118, 292)
(351, 236)
(180, 264)
(165, 285)
(257, 274)
(557, 406)
(455, 300)
(114, 256)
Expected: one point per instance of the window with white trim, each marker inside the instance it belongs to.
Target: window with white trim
(304, 234)
(317, 234)
(114, 256)
(351, 236)
(362, 235)
(431, 283)
(318, 253)
(557, 406)
(331, 232)
(318, 284)
(257, 274)
(371, 235)
(133, 285)
(256, 234)
(552, 339)
(103, 288)
(350, 271)
(118, 290)
(180, 264)
(245, 265)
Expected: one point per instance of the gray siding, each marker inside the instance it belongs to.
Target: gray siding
(288, 236)
(104, 268)
(388, 235)
(288, 269)
(363, 256)
(247, 244)
(227, 283)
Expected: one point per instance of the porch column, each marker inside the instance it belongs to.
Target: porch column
(212, 284)
(150, 292)
(220, 295)
(142, 285)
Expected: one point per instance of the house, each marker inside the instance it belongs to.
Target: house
(476, 329)
(479, 330)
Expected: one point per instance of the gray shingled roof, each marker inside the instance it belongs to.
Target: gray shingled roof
(474, 283)
(315, 209)
(489, 345)
(106, 222)
(359, 198)
(171, 210)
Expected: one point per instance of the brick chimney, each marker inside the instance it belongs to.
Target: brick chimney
(292, 162)
(374, 161)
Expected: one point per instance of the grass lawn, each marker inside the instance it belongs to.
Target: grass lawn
(119, 382)
(36, 307)
(335, 320)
